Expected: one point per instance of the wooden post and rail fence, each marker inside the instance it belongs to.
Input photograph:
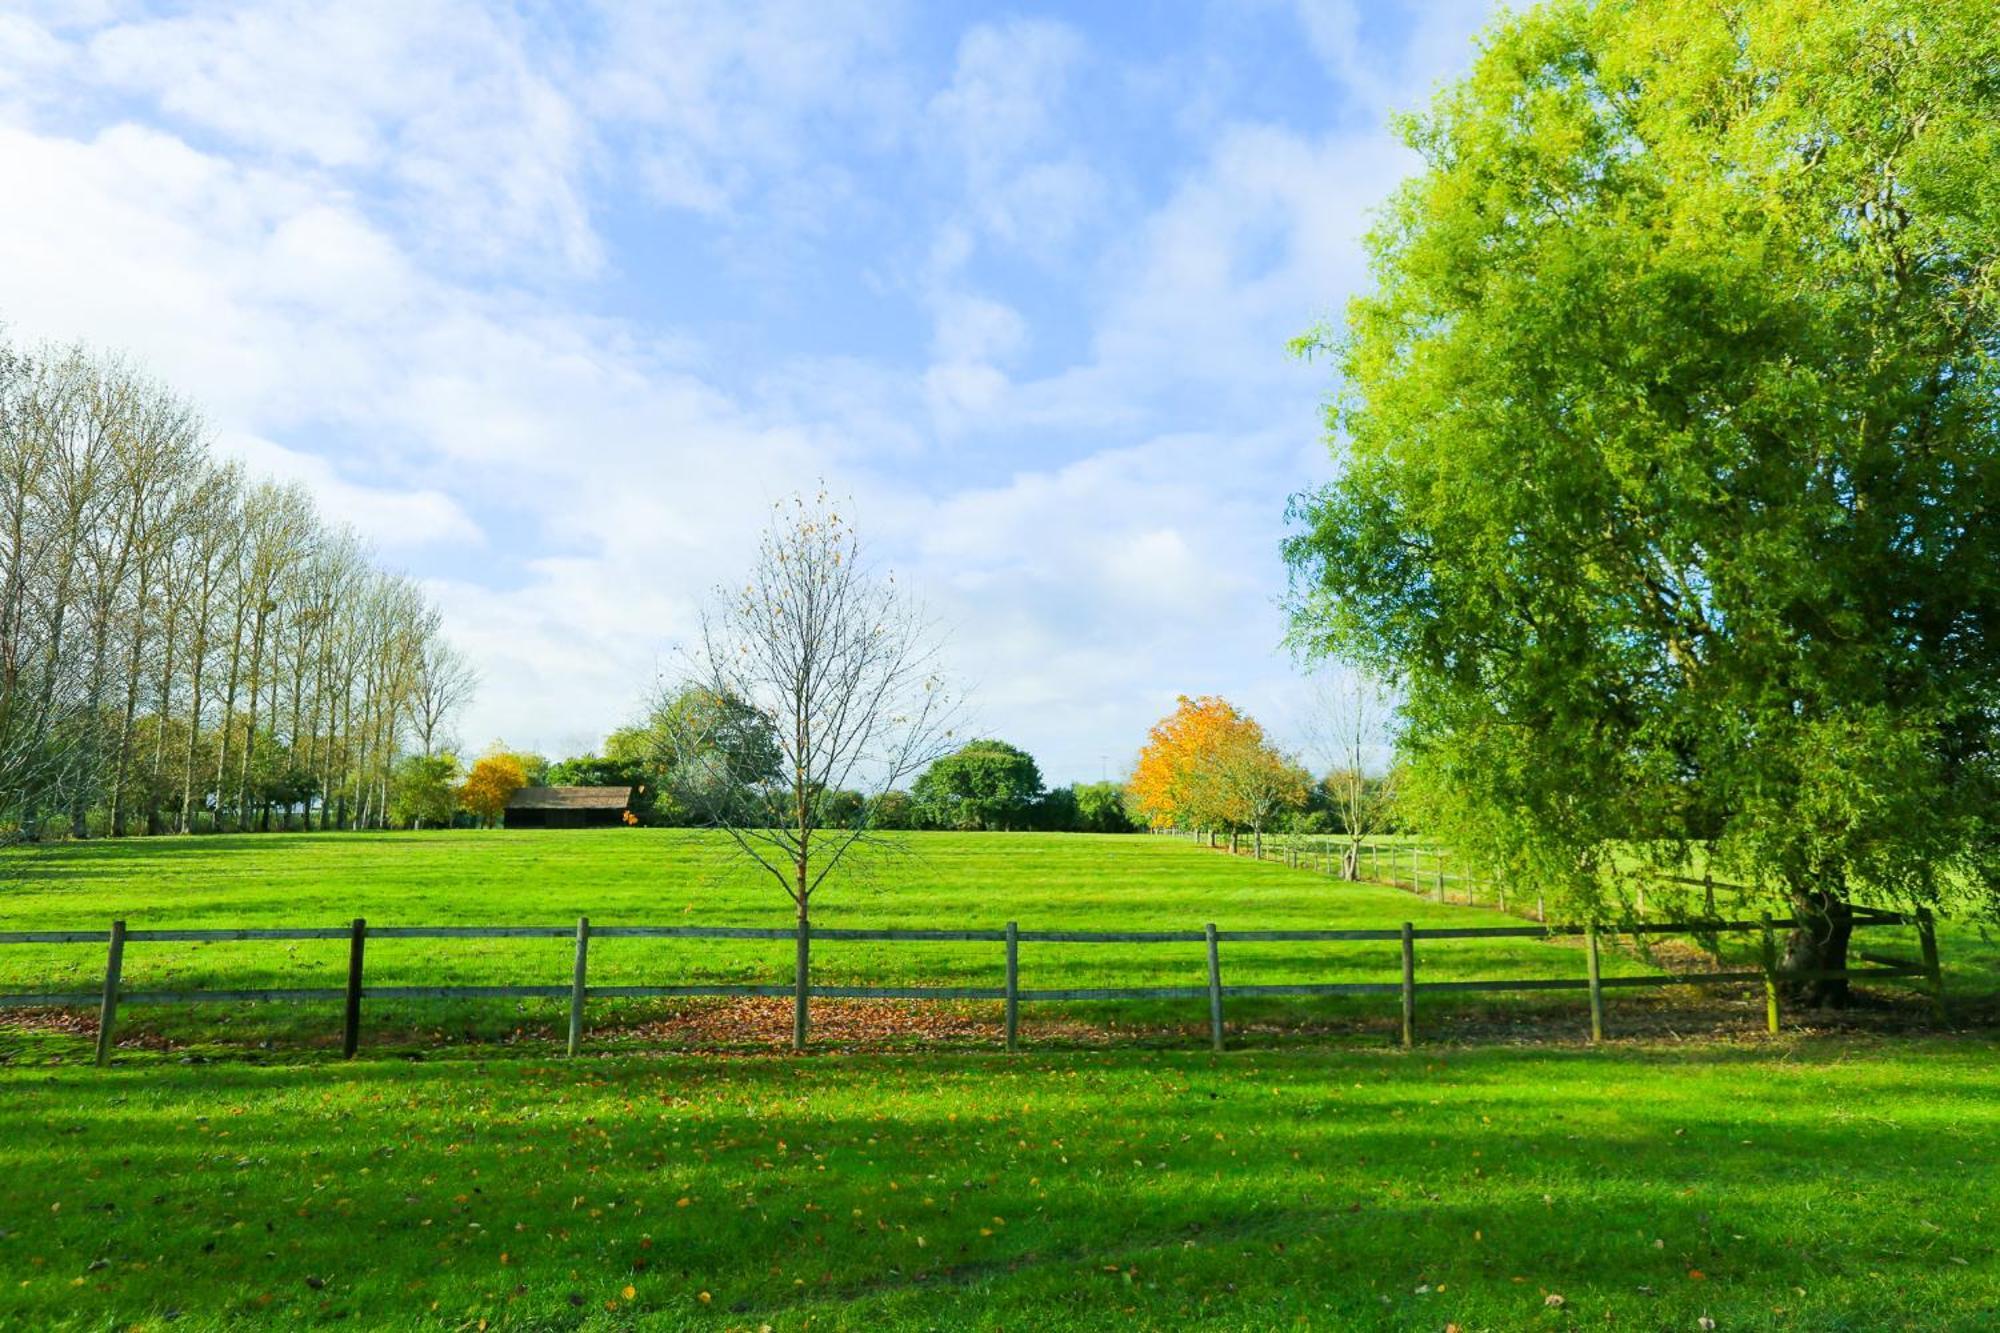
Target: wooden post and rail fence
(1426, 870)
(1925, 970)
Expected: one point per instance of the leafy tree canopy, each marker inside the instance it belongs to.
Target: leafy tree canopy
(987, 784)
(1100, 808)
(493, 780)
(1670, 440)
(421, 794)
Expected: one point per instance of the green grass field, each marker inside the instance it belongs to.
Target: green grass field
(624, 876)
(1810, 1184)
(229, 1171)
(665, 876)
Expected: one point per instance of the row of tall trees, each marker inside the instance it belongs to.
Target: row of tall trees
(183, 647)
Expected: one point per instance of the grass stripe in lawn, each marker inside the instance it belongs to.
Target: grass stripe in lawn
(1804, 1185)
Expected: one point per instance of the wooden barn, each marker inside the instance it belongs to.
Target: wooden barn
(569, 807)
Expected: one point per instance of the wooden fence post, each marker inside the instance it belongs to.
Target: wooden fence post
(1214, 990)
(1770, 960)
(1540, 915)
(1596, 987)
(1013, 986)
(107, 1015)
(1409, 986)
(576, 984)
(1933, 972)
(350, 1027)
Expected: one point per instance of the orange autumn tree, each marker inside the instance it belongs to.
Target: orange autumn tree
(490, 784)
(1206, 765)
(1166, 787)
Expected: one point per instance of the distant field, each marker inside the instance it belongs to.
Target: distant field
(665, 876)
(1807, 1184)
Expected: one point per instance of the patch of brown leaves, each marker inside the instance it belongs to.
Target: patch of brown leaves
(767, 1021)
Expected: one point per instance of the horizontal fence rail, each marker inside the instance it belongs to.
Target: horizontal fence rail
(114, 995)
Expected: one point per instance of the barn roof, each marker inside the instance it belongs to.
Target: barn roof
(570, 798)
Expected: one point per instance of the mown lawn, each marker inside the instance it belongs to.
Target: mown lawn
(665, 876)
(1805, 1184)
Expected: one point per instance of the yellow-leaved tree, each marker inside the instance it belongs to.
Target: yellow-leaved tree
(490, 784)
(1208, 766)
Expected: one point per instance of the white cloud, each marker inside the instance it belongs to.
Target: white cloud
(723, 98)
(436, 99)
(354, 234)
(1000, 121)
(395, 522)
(1375, 75)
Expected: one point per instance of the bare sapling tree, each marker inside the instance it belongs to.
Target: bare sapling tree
(1352, 730)
(816, 677)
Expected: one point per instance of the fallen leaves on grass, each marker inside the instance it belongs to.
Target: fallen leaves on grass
(767, 1021)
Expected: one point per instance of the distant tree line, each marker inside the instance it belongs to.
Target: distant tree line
(183, 648)
(695, 748)
(692, 739)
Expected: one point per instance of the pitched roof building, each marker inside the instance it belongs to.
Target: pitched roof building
(569, 807)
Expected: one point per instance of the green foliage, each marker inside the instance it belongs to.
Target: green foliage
(1100, 808)
(1054, 811)
(895, 811)
(709, 752)
(591, 770)
(534, 767)
(842, 808)
(1669, 447)
(423, 791)
(987, 784)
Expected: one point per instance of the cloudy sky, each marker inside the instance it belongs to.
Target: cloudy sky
(551, 302)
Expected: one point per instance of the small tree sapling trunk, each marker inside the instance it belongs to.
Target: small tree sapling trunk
(814, 677)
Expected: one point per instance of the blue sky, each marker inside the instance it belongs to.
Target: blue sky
(552, 302)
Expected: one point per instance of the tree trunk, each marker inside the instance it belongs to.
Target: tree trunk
(1819, 944)
(802, 973)
(1350, 862)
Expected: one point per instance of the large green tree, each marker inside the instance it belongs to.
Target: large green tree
(1670, 444)
(986, 784)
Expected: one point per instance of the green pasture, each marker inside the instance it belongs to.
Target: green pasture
(624, 876)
